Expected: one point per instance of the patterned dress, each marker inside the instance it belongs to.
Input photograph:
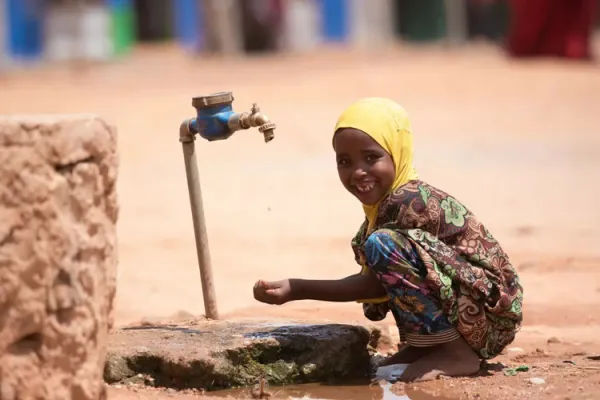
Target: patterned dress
(446, 276)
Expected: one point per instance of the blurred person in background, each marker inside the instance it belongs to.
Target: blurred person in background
(261, 24)
(561, 28)
(487, 19)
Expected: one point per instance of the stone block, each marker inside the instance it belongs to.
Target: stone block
(213, 355)
(58, 255)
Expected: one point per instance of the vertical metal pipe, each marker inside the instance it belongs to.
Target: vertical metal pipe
(193, 181)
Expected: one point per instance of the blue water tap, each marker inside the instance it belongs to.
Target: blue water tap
(216, 119)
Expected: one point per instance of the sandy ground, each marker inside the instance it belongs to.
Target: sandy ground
(518, 142)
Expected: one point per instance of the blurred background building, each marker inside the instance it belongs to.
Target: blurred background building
(38, 31)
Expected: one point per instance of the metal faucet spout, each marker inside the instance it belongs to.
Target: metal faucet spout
(253, 119)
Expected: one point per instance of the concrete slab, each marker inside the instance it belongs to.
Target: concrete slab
(222, 354)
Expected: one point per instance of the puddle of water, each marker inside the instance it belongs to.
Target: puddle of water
(315, 392)
(381, 389)
(279, 330)
(318, 391)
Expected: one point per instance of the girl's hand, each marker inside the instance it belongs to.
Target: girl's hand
(351, 288)
(278, 293)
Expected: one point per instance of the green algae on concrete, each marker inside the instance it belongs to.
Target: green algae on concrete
(223, 354)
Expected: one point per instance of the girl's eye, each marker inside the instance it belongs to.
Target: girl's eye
(371, 158)
(342, 162)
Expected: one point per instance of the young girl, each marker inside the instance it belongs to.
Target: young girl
(425, 257)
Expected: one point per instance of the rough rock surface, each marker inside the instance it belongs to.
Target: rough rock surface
(58, 212)
(221, 354)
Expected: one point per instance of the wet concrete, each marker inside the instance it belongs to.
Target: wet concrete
(224, 354)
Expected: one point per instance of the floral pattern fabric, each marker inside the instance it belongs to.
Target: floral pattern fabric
(463, 276)
(397, 264)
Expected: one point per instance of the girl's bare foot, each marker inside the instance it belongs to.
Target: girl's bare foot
(455, 358)
(407, 354)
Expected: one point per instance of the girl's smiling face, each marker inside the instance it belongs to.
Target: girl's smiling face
(365, 168)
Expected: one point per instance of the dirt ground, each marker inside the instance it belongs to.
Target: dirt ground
(517, 141)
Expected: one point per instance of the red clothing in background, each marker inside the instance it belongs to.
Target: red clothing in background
(552, 27)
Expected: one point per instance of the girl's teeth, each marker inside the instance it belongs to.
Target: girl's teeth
(365, 188)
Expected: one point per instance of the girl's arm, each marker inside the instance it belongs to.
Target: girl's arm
(351, 288)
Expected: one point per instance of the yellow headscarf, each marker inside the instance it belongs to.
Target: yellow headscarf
(389, 125)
